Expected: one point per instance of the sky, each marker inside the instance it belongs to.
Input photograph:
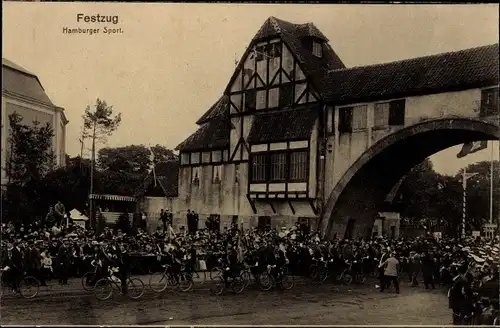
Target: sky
(173, 61)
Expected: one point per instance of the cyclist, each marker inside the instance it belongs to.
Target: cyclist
(124, 266)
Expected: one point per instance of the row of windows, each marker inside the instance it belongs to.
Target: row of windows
(263, 52)
(489, 102)
(281, 96)
(281, 166)
(196, 174)
(385, 114)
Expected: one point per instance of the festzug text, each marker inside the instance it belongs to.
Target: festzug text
(97, 18)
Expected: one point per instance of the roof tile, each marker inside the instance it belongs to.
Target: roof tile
(211, 135)
(458, 70)
(286, 125)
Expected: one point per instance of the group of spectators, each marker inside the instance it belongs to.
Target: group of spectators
(55, 248)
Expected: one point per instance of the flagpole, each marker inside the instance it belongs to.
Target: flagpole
(491, 183)
(464, 200)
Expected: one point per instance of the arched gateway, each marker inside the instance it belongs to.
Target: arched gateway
(363, 187)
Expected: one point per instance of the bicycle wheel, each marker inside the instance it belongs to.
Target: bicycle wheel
(265, 281)
(215, 273)
(323, 275)
(135, 288)
(313, 271)
(103, 289)
(347, 278)
(246, 277)
(219, 287)
(360, 278)
(185, 282)
(158, 282)
(238, 284)
(287, 281)
(87, 281)
(340, 276)
(29, 287)
(201, 276)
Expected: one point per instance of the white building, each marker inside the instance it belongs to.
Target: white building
(23, 93)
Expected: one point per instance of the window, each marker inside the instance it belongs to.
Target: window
(195, 176)
(273, 98)
(250, 99)
(283, 166)
(261, 52)
(216, 174)
(359, 117)
(286, 95)
(258, 168)
(381, 115)
(489, 102)
(345, 119)
(185, 158)
(278, 167)
(298, 166)
(397, 112)
(261, 99)
(274, 50)
(317, 50)
(236, 173)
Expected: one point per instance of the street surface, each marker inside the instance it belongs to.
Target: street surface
(305, 304)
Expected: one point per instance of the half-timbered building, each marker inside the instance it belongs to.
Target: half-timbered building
(264, 152)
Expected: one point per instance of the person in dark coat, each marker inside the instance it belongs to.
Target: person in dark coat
(124, 265)
(16, 267)
(428, 269)
(36, 264)
(63, 263)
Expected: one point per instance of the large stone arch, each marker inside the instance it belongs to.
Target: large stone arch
(364, 186)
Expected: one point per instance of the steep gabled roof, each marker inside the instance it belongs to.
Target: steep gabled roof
(213, 134)
(315, 68)
(220, 108)
(451, 71)
(19, 81)
(293, 124)
(167, 178)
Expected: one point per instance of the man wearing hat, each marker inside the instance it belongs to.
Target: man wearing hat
(391, 269)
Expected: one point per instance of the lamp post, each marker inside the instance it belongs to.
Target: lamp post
(465, 177)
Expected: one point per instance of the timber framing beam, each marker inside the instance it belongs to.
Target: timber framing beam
(252, 204)
(315, 210)
(272, 207)
(291, 207)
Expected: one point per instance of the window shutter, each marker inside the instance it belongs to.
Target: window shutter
(397, 112)
(286, 95)
(345, 119)
(250, 100)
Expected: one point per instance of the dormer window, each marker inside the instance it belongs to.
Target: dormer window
(317, 49)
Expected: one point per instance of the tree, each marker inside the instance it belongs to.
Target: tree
(30, 157)
(30, 154)
(125, 168)
(98, 123)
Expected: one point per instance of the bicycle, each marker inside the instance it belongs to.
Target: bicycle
(216, 271)
(89, 277)
(234, 281)
(111, 281)
(26, 281)
(158, 282)
(268, 279)
(349, 276)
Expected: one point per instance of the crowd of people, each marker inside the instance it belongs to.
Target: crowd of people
(53, 248)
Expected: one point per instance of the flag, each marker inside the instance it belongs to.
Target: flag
(240, 250)
(472, 147)
(152, 159)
